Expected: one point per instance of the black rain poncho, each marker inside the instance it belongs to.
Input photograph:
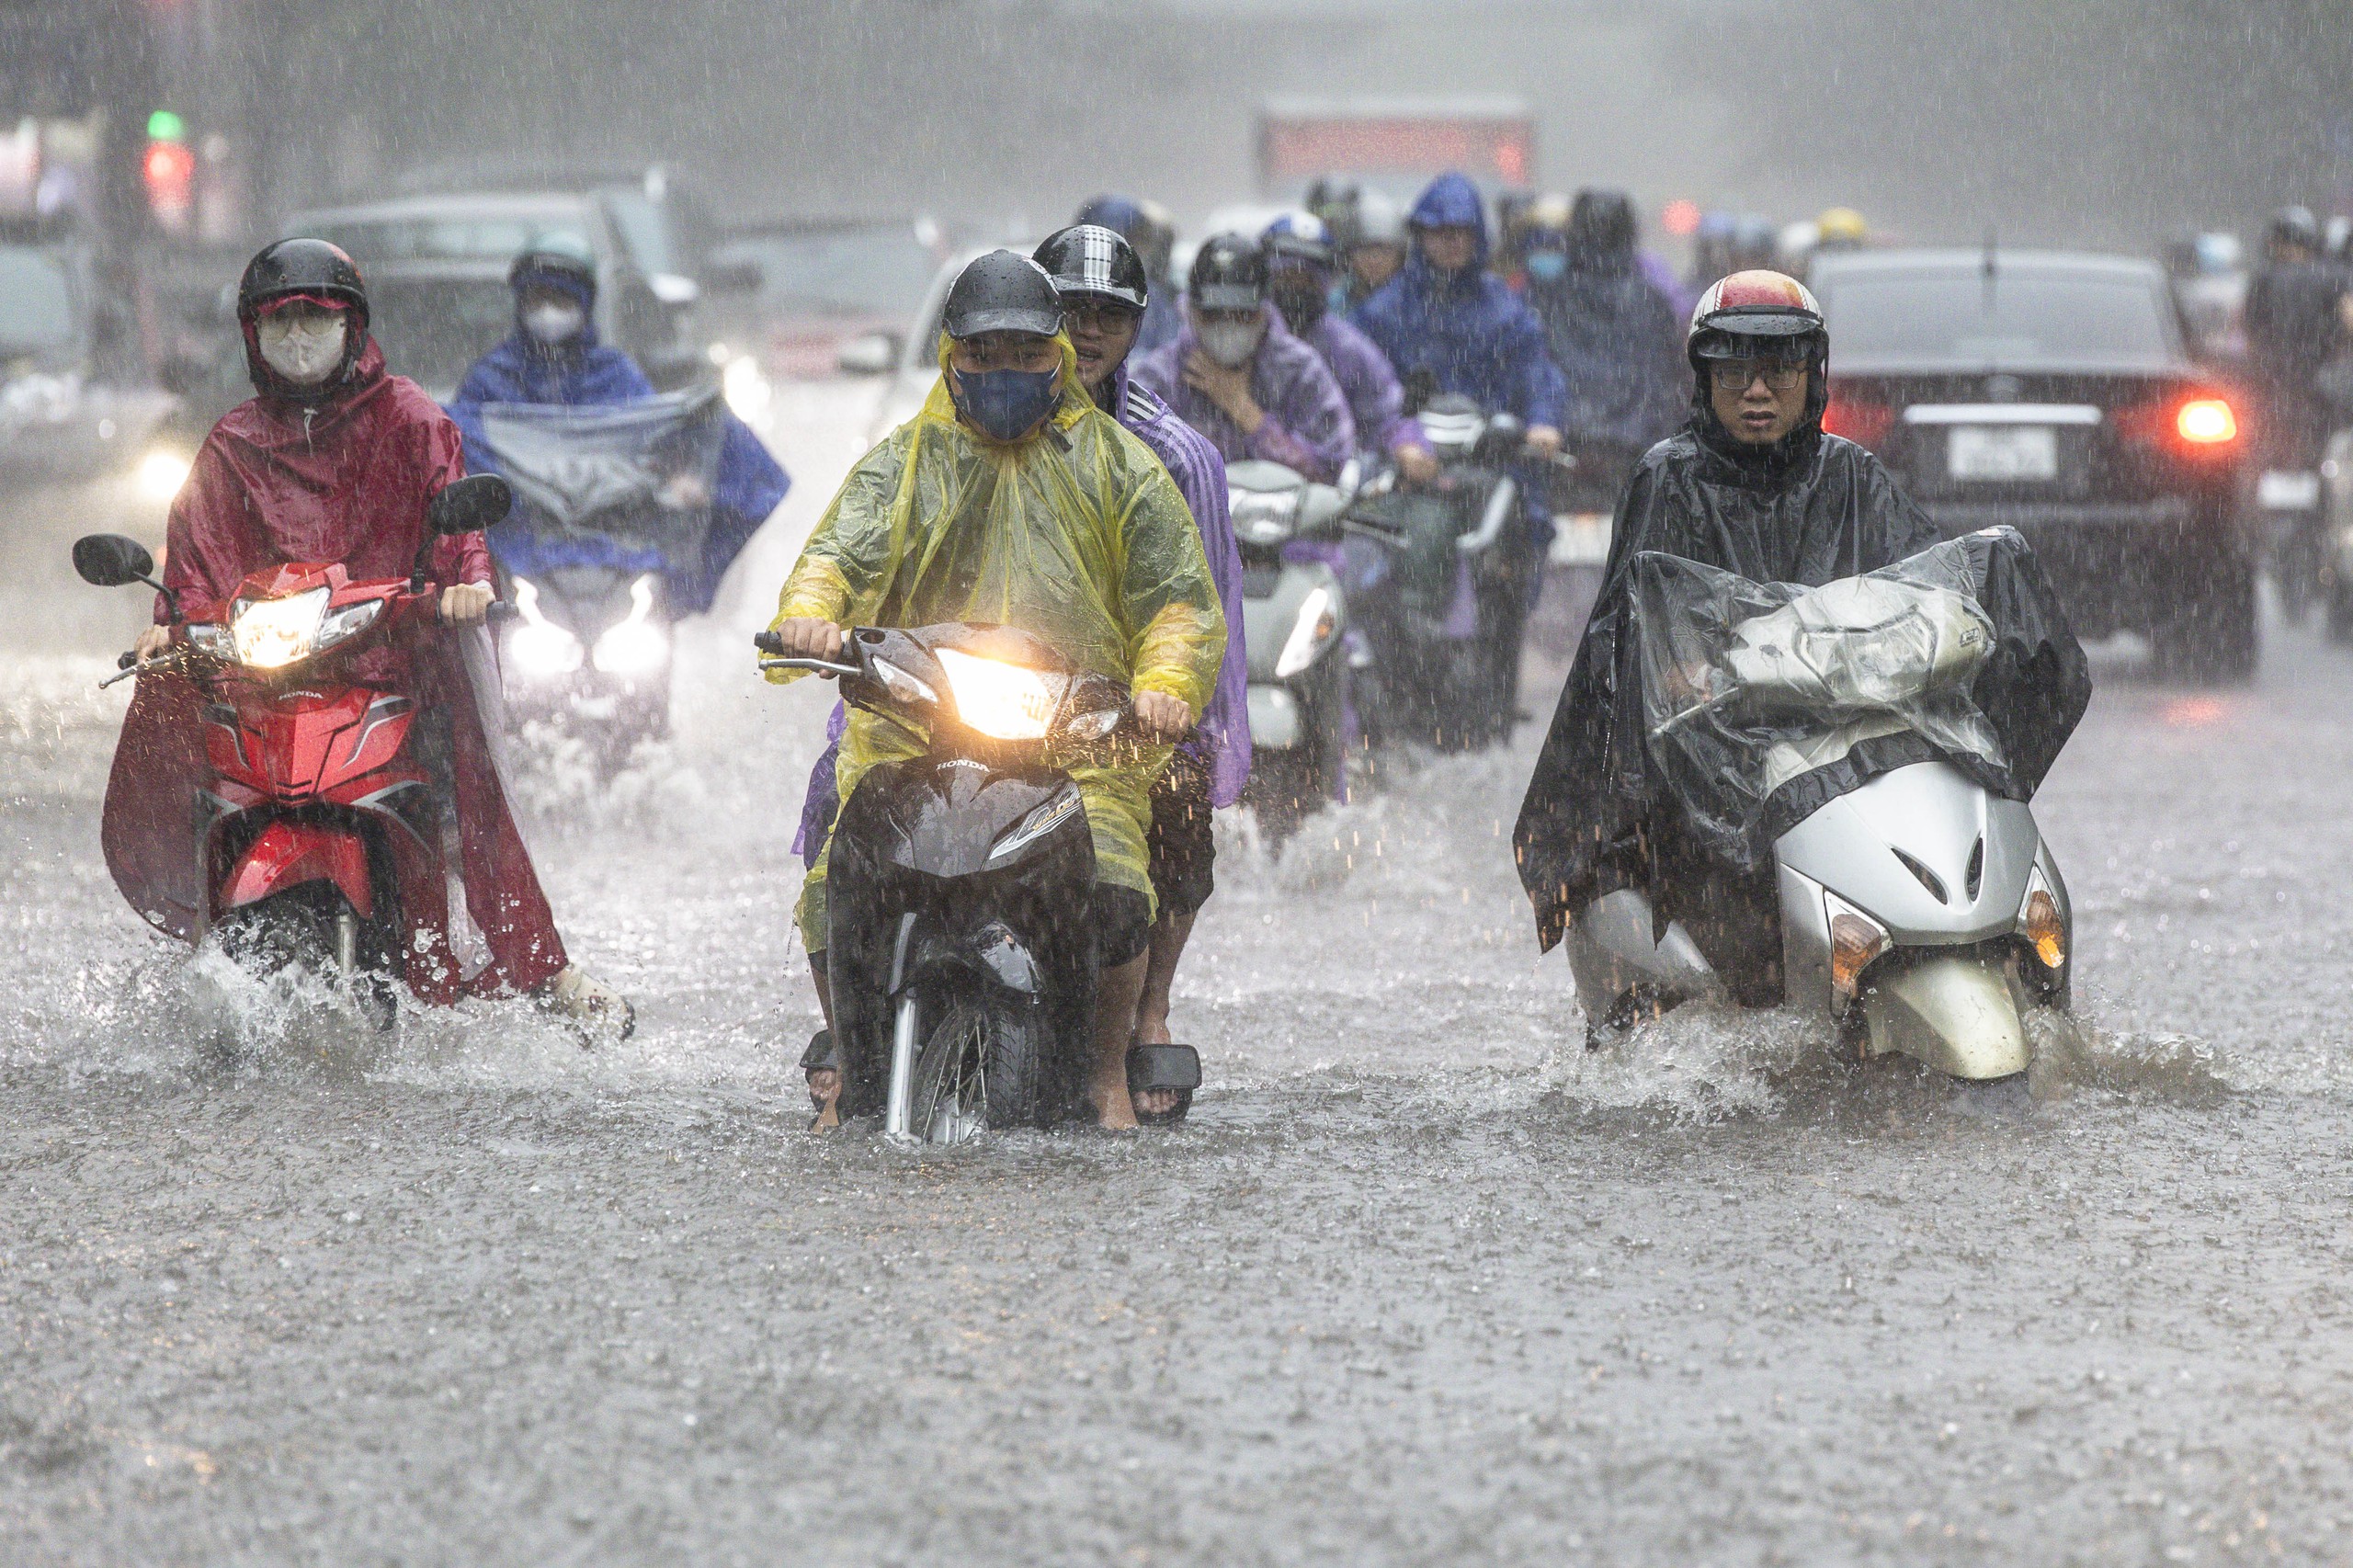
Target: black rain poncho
(1608, 806)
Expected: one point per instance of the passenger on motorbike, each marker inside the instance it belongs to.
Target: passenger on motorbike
(1237, 375)
(1301, 266)
(1013, 499)
(553, 358)
(1751, 485)
(333, 460)
(1105, 292)
(1614, 334)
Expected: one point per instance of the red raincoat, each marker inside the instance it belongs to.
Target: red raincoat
(344, 481)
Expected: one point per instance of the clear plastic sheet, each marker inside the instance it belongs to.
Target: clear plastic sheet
(641, 474)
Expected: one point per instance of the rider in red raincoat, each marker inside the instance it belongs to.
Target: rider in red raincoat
(335, 461)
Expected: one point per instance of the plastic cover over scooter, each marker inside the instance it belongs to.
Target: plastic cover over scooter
(1761, 702)
(627, 486)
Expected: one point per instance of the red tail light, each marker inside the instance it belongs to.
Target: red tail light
(2201, 424)
(1864, 424)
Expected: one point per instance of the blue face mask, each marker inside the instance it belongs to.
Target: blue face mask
(1005, 403)
(1548, 266)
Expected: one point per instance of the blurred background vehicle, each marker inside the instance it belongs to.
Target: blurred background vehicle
(823, 285)
(2054, 393)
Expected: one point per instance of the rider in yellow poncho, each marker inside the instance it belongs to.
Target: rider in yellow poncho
(1066, 526)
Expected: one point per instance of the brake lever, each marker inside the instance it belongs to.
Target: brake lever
(829, 671)
(130, 665)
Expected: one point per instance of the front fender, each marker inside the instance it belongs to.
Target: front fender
(287, 854)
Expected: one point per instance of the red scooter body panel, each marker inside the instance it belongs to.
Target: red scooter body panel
(287, 854)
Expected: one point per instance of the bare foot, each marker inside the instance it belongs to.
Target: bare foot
(1114, 1110)
(824, 1094)
(1154, 1102)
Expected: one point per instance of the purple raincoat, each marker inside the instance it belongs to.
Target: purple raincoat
(1222, 739)
(1307, 426)
(1376, 400)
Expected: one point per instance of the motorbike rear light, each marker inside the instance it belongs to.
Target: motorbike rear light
(1855, 940)
(2206, 422)
(2044, 930)
(1864, 424)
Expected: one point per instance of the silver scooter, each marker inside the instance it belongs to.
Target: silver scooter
(1921, 913)
(1295, 621)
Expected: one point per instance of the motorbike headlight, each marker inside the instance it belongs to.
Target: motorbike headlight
(346, 623)
(637, 646)
(746, 390)
(213, 641)
(539, 646)
(1317, 621)
(1855, 940)
(2044, 930)
(269, 635)
(162, 473)
(1093, 726)
(1264, 517)
(906, 688)
(1003, 701)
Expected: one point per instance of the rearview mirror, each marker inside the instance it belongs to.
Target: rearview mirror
(867, 354)
(111, 561)
(468, 506)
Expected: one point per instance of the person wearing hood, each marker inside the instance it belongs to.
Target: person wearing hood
(553, 358)
(1237, 375)
(1146, 228)
(1751, 485)
(1447, 321)
(1013, 499)
(333, 460)
(1301, 264)
(1612, 331)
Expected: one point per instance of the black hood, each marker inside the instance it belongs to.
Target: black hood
(1792, 454)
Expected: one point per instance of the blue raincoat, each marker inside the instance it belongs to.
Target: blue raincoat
(587, 373)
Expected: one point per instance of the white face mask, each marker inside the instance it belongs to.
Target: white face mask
(1231, 343)
(551, 324)
(305, 352)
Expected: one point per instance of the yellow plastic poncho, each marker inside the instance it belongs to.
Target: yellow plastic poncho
(1075, 535)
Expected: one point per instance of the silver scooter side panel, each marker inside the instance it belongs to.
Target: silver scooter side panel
(1902, 849)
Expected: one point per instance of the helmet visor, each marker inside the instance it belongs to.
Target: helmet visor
(1750, 335)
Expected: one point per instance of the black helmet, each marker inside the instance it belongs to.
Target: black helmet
(301, 266)
(2296, 226)
(559, 257)
(1087, 261)
(1002, 292)
(1228, 274)
(1601, 226)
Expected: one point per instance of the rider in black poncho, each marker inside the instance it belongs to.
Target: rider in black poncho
(1755, 486)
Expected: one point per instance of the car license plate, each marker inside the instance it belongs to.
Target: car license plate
(2282, 490)
(2002, 452)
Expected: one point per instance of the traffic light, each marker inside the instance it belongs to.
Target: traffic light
(168, 170)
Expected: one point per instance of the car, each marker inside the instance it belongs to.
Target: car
(825, 283)
(2056, 393)
(72, 401)
(437, 279)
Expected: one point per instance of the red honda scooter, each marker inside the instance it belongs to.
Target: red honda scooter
(319, 834)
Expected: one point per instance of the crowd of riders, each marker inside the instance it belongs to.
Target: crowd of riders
(1068, 476)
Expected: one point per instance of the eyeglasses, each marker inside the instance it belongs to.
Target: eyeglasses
(1098, 315)
(1738, 375)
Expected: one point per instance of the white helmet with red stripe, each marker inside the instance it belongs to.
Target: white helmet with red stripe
(1739, 317)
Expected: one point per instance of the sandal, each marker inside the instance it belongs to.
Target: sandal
(822, 1055)
(1174, 1068)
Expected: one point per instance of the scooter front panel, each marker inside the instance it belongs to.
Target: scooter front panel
(1924, 850)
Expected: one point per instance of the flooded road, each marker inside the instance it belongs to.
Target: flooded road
(1421, 1283)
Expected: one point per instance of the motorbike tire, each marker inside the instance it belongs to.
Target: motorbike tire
(295, 931)
(982, 1067)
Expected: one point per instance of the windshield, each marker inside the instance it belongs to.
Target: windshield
(36, 302)
(483, 237)
(842, 272)
(2022, 319)
(433, 330)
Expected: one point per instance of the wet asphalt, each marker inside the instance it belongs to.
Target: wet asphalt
(1422, 1282)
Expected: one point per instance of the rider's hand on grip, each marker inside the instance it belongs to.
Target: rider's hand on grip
(805, 637)
(153, 641)
(466, 604)
(1162, 717)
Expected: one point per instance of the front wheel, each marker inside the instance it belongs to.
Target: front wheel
(981, 1068)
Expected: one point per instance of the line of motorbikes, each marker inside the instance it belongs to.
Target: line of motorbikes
(1921, 915)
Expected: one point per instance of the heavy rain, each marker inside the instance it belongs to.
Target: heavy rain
(1835, 516)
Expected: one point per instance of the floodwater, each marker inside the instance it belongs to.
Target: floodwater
(1422, 1282)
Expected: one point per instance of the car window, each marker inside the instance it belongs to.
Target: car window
(434, 329)
(2018, 319)
(643, 232)
(487, 237)
(842, 272)
(36, 302)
